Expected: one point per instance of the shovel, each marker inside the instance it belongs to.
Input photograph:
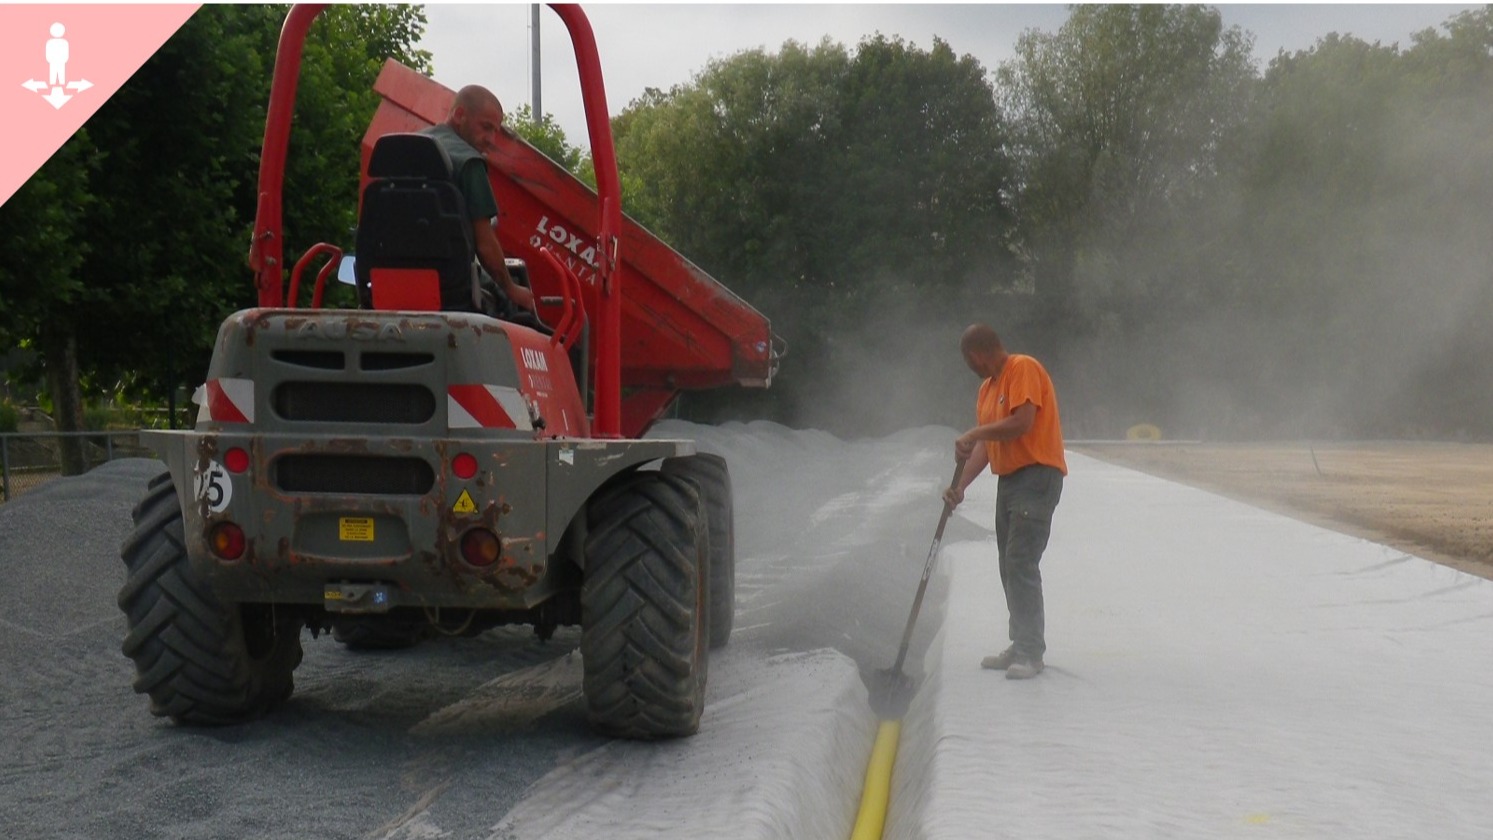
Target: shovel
(892, 690)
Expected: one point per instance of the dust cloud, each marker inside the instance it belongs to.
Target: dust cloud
(901, 374)
(1300, 304)
(1329, 277)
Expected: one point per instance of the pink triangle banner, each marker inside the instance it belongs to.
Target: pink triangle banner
(58, 64)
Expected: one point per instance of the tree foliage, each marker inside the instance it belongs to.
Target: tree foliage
(840, 191)
(1224, 252)
(1121, 118)
(1196, 243)
(44, 240)
(1367, 188)
(1123, 121)
(146, 213)
(1184, 239)
(547, 136)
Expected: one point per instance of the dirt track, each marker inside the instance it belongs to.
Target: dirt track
(1434, 500)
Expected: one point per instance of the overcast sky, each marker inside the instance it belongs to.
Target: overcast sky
(661, 46)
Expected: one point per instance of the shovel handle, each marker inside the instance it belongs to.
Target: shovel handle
(958, 471)
(917, 601)
(948, 509)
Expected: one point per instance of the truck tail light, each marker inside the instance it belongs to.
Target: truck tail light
(481, 547)
(236, 460)
(227, 540)
(464, 466)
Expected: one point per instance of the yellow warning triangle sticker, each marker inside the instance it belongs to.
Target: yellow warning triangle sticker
(464, 504)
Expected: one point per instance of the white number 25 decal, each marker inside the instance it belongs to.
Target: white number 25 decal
(213, 486)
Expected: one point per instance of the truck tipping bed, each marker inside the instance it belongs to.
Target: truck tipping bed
(681, 328)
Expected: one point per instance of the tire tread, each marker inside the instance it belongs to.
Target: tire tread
(188, 648)
(642, 641)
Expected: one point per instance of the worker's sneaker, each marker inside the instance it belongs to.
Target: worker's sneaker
(1024, 669)
(1001, 661)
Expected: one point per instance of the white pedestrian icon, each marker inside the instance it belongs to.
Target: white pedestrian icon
(57, 56)
(57, 85)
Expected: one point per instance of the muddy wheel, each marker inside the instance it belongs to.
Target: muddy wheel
(201, 662)
(713, 480)
(645, 608)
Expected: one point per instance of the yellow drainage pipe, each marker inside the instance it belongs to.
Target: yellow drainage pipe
(876, 795)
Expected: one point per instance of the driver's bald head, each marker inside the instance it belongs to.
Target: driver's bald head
(474, 97)
(477, 116)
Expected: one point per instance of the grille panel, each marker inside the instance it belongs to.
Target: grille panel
(354, 402)
(319, 359)
(353, 474)
(395, 361)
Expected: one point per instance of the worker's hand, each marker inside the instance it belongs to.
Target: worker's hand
(952, 496)
(522, 298)
(965, 446)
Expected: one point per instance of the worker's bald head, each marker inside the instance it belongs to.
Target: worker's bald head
(477, 116)
(982, 350)
(980, 338)
(475, 96)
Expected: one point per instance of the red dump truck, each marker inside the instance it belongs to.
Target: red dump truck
(398, 472)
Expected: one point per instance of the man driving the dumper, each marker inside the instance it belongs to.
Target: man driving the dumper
(470, 132)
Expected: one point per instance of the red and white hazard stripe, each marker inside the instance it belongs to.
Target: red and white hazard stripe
(225, 401)
(486, 407)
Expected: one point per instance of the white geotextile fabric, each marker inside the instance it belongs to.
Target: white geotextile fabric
(780, 753)
(1214, 670)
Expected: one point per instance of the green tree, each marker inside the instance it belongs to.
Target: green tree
(548, 137)
(44, 239)
(1123, 121)
(1118, 115)
(142, 255)
(844, 193)
(1365, 232)
(1298, 254)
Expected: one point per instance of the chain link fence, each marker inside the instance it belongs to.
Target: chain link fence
(30, 459)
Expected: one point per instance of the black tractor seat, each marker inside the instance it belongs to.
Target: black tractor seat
(414, 243)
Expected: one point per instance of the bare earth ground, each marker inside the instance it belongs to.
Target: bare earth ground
(1434, 500)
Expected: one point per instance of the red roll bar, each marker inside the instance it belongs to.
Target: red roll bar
(266, 251)
(608, 403)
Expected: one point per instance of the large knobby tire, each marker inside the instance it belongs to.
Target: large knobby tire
(713, 480)
(201, 662)
(645, 608)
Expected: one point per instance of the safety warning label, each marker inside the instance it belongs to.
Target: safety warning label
(464, 504)
(355, 529)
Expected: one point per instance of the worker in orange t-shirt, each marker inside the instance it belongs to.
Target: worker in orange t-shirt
(1019, 436)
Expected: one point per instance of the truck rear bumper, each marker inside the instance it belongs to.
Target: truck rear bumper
(325, 516)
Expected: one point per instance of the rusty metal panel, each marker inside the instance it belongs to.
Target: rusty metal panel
(393, 356)
(574, 469)
(299, 543)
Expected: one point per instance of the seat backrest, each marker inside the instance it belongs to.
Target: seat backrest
(414, 241)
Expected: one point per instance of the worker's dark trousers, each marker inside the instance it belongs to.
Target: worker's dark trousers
(1024, 502)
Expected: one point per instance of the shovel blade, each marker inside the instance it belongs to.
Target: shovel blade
(891, 693)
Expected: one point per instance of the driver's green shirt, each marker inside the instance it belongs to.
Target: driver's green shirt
(469, 171)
